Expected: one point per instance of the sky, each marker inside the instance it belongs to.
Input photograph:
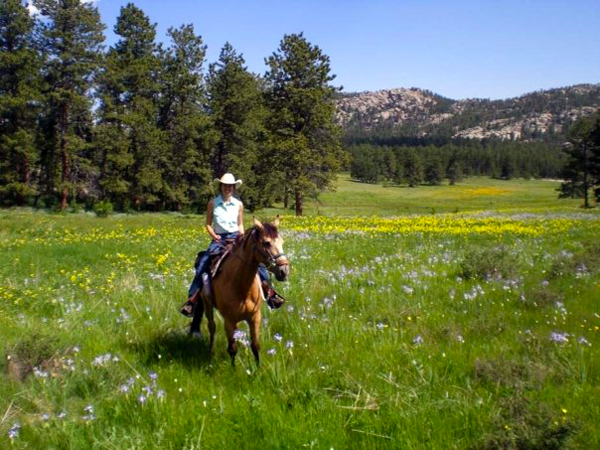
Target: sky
(456, 48)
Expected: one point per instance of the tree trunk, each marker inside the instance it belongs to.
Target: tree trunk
(65, 159)
(298, 203)
(65, 173)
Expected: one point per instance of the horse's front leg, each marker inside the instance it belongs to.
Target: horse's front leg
(230, 328)
(254, 324)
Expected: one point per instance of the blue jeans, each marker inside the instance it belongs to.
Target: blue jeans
(212, 249)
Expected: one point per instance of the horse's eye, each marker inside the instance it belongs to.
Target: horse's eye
(267, 244)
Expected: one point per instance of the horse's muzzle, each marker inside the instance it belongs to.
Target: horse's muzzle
(282, 271)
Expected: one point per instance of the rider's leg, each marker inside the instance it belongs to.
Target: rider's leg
(196, 287)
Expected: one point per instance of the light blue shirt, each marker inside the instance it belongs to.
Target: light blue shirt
(225, 215)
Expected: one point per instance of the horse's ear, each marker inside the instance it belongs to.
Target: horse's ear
(257, 223)
(276, 221)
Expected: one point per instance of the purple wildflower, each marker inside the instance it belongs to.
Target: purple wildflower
(559, 338)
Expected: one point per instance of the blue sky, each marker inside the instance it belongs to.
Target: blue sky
(459, 49)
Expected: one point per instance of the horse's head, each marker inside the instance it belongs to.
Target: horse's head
(269, 248)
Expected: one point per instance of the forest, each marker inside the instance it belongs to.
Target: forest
(143, 125)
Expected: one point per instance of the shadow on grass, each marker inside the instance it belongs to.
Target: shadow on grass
(174, 345)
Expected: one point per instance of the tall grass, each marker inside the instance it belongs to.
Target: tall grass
(384, 342)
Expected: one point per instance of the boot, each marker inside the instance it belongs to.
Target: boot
(274, 300)
(187, 309)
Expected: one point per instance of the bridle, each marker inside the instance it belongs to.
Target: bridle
(272, 261)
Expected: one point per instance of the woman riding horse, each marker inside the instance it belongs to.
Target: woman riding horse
(224, 221)
(237, 289)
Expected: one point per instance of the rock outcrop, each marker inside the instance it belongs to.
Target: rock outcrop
(529, 117)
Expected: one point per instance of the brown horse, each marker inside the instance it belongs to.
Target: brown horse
(237, 292)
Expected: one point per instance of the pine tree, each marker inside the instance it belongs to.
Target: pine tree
(433, 172)
(413, 169)
(305, 136)
(582, 170)
(134, 149)
(72, 37)
(237, 109)
(189, 132)
(19, 102)
(453, 169)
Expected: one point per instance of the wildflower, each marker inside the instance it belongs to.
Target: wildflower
(460, 339)
(407, 289)
(45, 417)
(239, 335)
(380, 325)
(559, 338)
(153, 376)
(101, 360)
(61, 415)
(278, 337)
(13, 433)
(40, 373)
(271, 351)
(584, 341)
(418, 339)
(160, 394)
(142, 398)
(124, 388)
(289, 344)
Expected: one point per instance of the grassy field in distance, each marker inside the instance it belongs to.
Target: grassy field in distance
(478, 329)
(475, 193)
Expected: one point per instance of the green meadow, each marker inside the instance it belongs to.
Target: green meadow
(442, 317)
(476, 193)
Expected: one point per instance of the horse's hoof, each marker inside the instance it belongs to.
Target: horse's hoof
(196, 335)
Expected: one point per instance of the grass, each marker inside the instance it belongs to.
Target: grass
(398, 332)
(475, 193)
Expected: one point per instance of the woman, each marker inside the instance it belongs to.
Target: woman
(224, 220)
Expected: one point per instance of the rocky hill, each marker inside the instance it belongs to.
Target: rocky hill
(420, 113)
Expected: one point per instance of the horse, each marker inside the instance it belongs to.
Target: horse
(237, 292)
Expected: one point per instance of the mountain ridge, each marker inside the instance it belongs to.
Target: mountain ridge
(539, 115)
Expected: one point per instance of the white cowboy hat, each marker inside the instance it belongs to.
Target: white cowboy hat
(228, 179)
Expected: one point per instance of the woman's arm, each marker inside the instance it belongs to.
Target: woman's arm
(241, 219)
(209, 222)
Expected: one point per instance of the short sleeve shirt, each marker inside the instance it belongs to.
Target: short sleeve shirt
(225, 215)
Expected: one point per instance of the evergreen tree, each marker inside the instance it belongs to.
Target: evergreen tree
(453, 169)
(300, 99)
(134, 149)
(433, 172)
(72, 37)
(507, 166)
(413, 169)
(19, 102)
(582, 165)
(595, 141)
(237, 110)
(189, 132)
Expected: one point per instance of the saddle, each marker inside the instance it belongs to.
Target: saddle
(216, 258)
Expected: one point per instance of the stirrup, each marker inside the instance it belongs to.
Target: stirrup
(275, 301)
(188, 308)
